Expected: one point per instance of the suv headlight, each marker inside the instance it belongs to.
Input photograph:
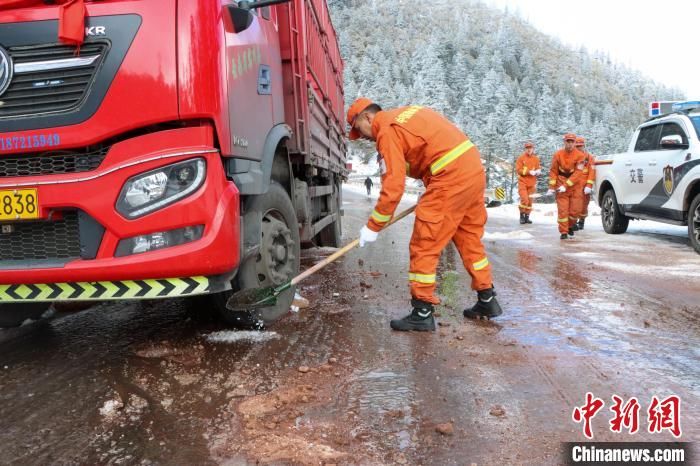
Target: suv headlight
(156, 189)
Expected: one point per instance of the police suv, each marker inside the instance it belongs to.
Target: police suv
(658, 178)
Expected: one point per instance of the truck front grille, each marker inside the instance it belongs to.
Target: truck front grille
(50, 78)
(52, 163)
(47, 240)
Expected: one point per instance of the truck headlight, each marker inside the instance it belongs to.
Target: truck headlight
(158, 188)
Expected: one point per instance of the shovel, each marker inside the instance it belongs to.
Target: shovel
(255, 298)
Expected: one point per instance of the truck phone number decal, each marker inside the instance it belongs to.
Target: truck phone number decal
(36, 141)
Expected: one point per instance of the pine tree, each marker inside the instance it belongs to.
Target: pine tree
(429, 86)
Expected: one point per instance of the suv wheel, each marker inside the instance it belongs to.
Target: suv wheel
(694, 223)
(614, 221)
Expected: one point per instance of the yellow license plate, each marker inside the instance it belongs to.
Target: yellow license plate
(19, 204)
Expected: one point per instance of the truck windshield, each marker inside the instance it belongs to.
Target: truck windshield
(696, 123)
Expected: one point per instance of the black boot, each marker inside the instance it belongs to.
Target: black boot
(581, 221)
(574, 227)
(486, 306)
(420, 319)
(523, 220)
(564, 236)
(571, 231)
(527, 218)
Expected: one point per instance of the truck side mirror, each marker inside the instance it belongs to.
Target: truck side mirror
(241, 15)
(241, 18)
(673, 141)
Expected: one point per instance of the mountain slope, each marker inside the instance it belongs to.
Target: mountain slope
(499, 79)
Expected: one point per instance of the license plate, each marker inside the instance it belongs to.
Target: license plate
(19, 204)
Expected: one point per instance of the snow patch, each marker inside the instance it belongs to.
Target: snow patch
(583, 255)
(682, 271)
(511, 235)
(364, 169)
(111, 408)
(232, 336)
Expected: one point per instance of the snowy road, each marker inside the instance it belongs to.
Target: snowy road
(147, 384)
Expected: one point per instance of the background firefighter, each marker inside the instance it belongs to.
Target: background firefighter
(588, 180)
(368, 185)
(422, 144)
(528, 168)
(564, 175)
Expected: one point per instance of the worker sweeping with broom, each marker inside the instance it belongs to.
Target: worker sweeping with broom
(422, 144)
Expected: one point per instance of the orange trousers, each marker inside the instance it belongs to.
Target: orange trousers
(524, 192)
(586, 199)
(451, 209)
(568, 208)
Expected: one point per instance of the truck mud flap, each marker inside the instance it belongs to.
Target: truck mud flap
(114, 290)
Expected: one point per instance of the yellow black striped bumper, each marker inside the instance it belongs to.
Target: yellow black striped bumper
(113, 290)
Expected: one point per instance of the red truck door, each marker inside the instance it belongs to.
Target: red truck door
(249, 87)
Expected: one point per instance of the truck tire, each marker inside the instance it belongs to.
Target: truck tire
(694, 223)
(331, 235)
(276, 262)
(14, 314)
(614, 221)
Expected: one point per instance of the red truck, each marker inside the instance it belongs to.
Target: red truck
(186, 147)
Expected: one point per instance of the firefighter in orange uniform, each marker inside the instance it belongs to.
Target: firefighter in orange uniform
(528, 168)
(422, 144)
(588, 180)
(564, 176)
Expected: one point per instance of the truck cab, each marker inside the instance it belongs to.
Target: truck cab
(658, 177)
(183, 148)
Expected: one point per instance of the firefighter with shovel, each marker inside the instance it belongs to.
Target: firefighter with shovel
(418, 142)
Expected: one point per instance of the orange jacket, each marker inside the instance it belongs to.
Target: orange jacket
(418, 142)
(588, 169)
(71, 25)
(567, 168)
(524, 165)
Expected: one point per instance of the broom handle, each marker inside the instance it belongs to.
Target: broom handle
(344, 250)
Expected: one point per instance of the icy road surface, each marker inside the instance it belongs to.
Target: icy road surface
(158, 383)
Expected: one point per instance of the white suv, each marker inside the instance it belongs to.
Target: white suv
(658, 178)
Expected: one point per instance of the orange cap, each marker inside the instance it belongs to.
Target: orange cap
(355, 109)
(569, 137)
(528, 144)
(580, 142)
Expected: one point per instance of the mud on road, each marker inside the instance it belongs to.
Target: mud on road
(162, 383)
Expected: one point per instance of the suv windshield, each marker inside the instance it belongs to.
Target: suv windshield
(696, 123)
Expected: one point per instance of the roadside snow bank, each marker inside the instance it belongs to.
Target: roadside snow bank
(511, 235)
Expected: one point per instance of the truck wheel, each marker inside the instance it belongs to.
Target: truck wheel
(694, 223)
(331, 235)
(614, 221)
(276, 263)
(14, 314)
